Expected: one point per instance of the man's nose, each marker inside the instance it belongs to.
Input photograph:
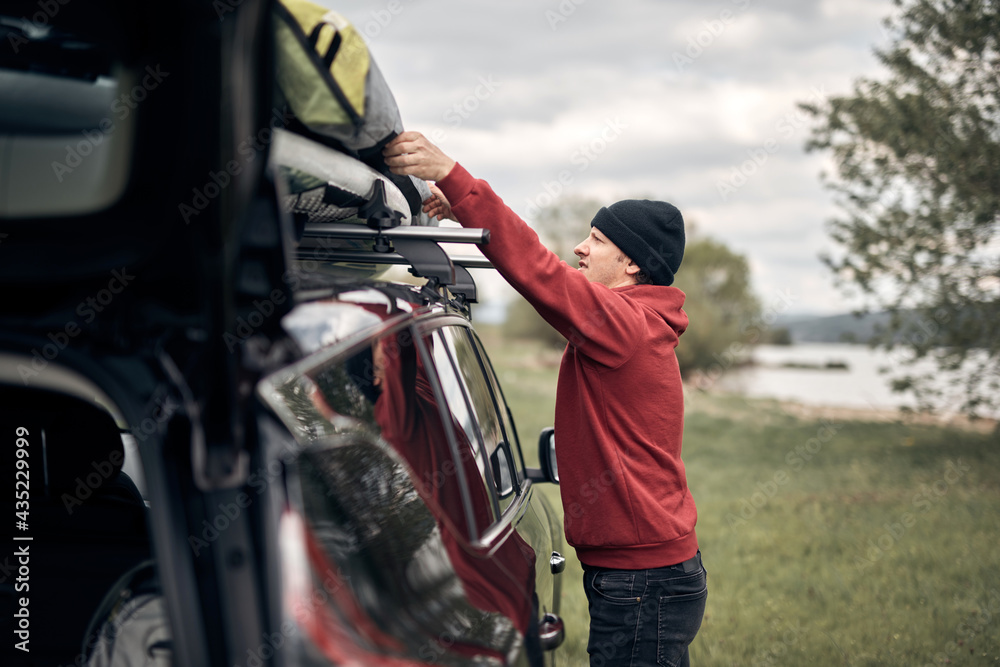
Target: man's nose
(579, 250)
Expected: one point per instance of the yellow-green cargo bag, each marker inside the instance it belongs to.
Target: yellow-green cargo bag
(335, 91)
(329, 80)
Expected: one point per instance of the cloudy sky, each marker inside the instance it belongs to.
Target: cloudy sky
(692, 102)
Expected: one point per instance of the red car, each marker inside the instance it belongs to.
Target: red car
(229, 437)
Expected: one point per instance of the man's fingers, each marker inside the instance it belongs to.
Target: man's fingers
(408, 135)
(404, 161)
(403, 137)
(411, 154)
(399, 159)
(406, 142)
(400, 148)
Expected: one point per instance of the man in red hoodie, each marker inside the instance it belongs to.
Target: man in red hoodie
(619, 403)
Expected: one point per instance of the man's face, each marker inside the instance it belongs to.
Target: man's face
(602, 262)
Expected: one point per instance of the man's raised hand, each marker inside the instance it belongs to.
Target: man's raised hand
(412, 154)
(437, 205)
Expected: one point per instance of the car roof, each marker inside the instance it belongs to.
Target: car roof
(344, 312)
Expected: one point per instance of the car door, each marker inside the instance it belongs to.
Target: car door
(541, 525)
(395, 512)
(525, 520)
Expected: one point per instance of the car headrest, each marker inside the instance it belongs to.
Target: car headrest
(74, 446)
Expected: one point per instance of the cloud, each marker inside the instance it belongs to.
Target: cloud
(696, 89)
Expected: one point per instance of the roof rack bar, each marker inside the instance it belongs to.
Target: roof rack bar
(370, 257)
(472, 261)
(340, 230)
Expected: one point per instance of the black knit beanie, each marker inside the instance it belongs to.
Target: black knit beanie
(651, 233)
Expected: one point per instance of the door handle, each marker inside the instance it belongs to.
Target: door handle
(557, 562)
(551, 632)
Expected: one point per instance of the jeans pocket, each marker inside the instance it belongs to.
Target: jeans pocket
(615, 586)
(680, 611)
(614, 615)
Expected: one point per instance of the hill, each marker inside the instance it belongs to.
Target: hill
(845, 328)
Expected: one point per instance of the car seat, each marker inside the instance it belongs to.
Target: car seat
(86, 520)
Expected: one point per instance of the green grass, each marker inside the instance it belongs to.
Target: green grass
(827, 543)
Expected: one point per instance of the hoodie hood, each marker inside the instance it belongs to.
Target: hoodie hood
(666, 302)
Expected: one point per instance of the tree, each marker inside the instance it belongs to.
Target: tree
(560, 226)
(720, 301)
(720, 305)
(918, 180)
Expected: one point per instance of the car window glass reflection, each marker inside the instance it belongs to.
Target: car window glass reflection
(466, 433)
(517, 457)
(383, 390)
(477, 387)
(386, 389)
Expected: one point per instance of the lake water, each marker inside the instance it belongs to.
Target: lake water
(859, 385)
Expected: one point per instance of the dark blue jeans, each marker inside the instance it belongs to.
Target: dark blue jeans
(641, 618)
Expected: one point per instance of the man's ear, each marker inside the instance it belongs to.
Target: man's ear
(631, 268)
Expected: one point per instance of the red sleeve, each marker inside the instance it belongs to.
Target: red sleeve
(596, 320)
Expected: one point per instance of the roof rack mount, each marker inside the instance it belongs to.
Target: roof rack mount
(416, 246)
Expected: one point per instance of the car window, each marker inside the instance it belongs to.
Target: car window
(465, 420)
(487, 420)
(507, 421)
(443, 413)
(382, 389)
